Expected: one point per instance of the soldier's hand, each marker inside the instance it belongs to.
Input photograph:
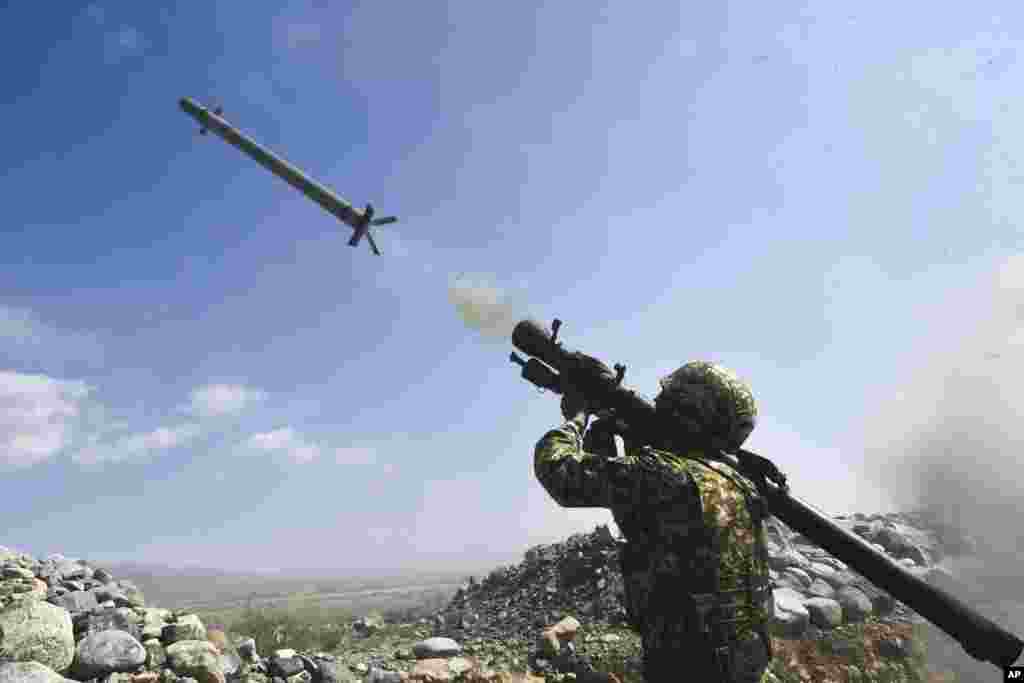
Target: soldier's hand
(587, 374)
(574, 405)
(600, 438)
(582, 378)
(762, 468)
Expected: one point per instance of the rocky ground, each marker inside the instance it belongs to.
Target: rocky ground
(556, 615)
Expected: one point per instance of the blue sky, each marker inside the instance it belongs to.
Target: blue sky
(196, 369)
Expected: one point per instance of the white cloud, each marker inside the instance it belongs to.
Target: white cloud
(284, 443)
(135, 446)
(214, 400)
(354, 456)
(289, 445)
(37, 415)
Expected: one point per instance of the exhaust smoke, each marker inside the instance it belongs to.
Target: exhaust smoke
(485, 307)
(950, 443)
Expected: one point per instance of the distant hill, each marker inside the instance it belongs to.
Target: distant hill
(174, 587)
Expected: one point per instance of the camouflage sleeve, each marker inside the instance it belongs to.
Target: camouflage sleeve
(577, 478)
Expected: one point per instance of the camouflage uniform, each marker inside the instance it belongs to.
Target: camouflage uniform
(694, 540)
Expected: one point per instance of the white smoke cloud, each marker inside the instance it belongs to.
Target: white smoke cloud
(485, 307)
(948, 440)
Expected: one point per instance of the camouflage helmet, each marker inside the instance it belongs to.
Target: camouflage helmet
(708, 400)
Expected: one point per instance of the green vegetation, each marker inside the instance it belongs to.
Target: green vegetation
(850, 654)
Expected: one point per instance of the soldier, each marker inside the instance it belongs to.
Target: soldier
(695, 561)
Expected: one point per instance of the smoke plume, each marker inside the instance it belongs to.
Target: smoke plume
(483, 306)
(950, 444)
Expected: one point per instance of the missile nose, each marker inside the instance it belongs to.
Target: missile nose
(188, 106)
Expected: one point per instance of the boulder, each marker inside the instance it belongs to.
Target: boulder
(790, 618)
(824, 612)
(432, 648)
(156, 657)
(120, 619)
(247, 649)
(802, 577)
(197, 659)
(819, 588)
(856, 606)
(284, 667)
(187, 627)
(333, 672)
(552, 637)
(105, 652)
(29, 672)
(37, 631)
(77, 601)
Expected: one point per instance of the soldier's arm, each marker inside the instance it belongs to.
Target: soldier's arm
(575, 477)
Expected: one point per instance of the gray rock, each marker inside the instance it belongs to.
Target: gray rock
(132, 593)
(14, 572)
(105, 652)
(436, 647)
(918, 554)
(378, 675)
(78, 601)
(73, 570)
(788, 558)
(155, 614)
(894, 648)
(819, 588)
(187, 627)
(821, 571)
(196, 658)
(37, 631)
(230, 663)
(120, 619)
(799, 574)
(283, 667)
(790, 616)
(102, 575)
(111, 592)
(29, 672)
(156, 657)
(856, 606)
(825, 613)
(301, 677)
(841, 579)
(247, 649)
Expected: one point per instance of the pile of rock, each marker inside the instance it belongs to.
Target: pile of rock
(578, 576)
(61, 619)
(814, 592)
